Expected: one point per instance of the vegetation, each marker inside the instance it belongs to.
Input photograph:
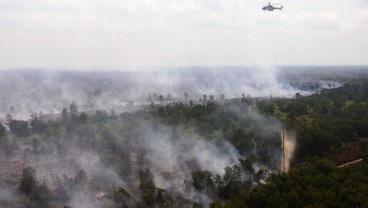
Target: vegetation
(322, 122)
(316, 183)
(19, 127)
(234, 121)
(2, 132)
(325, 120)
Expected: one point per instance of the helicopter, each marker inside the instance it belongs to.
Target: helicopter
(270, 7)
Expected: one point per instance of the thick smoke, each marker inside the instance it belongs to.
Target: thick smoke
(167, 151)
(88, 179)
(31, 91)
(88, 176)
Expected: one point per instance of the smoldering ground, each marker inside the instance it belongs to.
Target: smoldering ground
(85, 163)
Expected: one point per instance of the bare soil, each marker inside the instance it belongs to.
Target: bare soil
(346, 153)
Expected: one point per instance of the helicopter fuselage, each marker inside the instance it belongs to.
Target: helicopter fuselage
(270, 8)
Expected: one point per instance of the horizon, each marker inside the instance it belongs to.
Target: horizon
(174, 68)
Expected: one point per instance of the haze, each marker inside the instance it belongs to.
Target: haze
(140, 33)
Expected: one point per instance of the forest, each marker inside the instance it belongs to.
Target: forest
(212, 153)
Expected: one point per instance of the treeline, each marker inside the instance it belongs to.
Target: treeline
(315, 183)
(325, 120)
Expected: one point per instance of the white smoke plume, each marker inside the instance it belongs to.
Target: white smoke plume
(31, 91)
(169, 153)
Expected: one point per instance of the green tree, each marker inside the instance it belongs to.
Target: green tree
(163, 199)
(73, 109)
(64, 114)
(161, 98)
(147, 187)
(203, 181)
(212, 97)
(80, 181)
(37, 125)
(204, 97)
(122, 198)
(27, 182)
(2, 132)
(18, 127)
(35, 145)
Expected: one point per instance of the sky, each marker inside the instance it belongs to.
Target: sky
(175, 33)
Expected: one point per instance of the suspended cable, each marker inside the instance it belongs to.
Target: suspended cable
(271, 7)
